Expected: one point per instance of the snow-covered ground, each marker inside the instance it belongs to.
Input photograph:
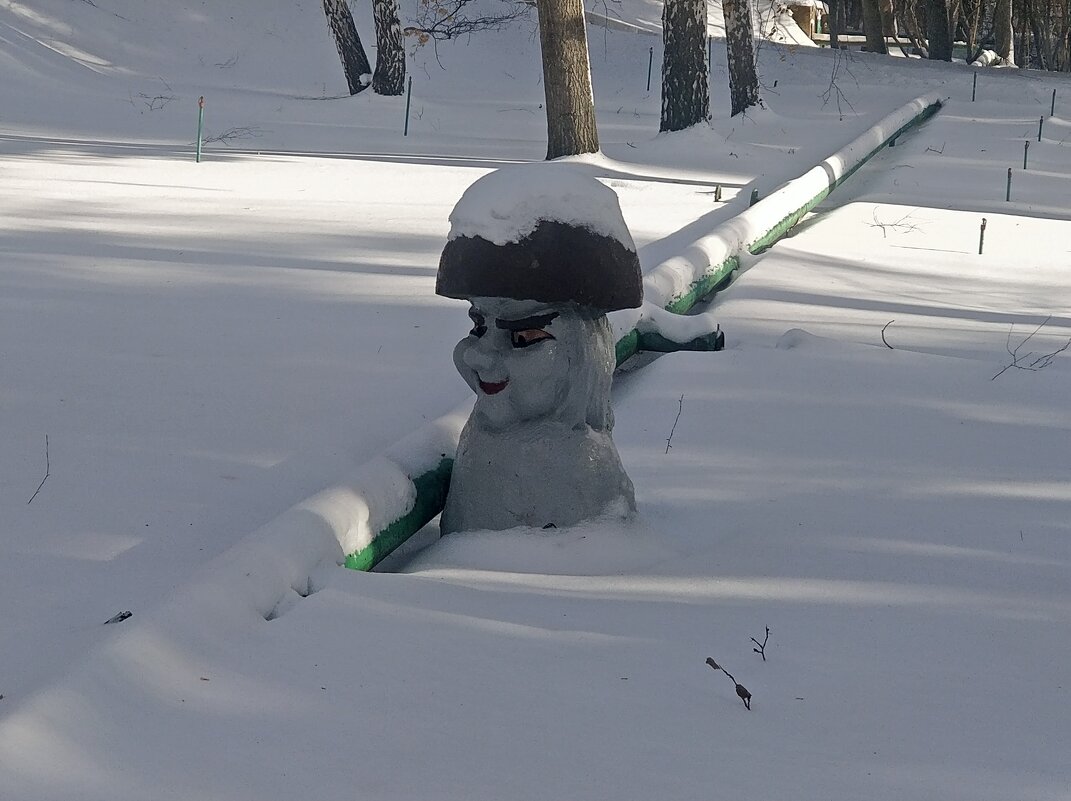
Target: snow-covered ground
(204, 345)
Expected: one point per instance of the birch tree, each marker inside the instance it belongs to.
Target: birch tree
(354, 60)
(685, 94)
(389, 77)
(740, 52)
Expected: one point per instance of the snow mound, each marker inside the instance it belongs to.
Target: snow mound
(506, 205)
(600, 547)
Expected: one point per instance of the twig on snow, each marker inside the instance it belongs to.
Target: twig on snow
(1029, 361)
(741, 690)
(761, 650)
(680, 408)
(48, 468)
(899, 226)
(890, 347)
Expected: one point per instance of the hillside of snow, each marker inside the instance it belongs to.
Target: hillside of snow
(876, 469)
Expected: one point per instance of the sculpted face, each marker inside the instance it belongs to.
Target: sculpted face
(529, 361)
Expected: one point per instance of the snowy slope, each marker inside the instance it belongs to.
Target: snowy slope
(205, 345)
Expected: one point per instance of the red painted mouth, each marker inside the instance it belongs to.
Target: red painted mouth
(493, 387)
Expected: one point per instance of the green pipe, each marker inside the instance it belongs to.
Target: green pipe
(431, 489)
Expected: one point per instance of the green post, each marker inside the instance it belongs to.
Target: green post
(1041, 122)
(981, 237)
(408, 98)
(650, 65)
(974, 86)
(1026, 149)
(1007, 192)
(200, 125)
(1052, 108)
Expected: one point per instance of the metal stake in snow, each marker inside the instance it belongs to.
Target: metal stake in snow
(200, 125)
(650, 65)
(981, 237)
(1052, 108)
(408, 97)
(1026, 149)
(974, 86)
(1007, 193)
(1041, 123)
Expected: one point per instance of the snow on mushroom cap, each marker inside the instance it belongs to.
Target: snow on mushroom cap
(507, 204)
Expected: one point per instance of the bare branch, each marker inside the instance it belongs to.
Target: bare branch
(1029, 361)
(680, 408)
(48, 468)
(448, 19)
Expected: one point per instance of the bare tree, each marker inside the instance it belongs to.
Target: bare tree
(567, 79)
(389, 77)
(354, 60)
(740, 52)
(685, 94)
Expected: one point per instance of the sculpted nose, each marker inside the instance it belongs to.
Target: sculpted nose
(482, 356)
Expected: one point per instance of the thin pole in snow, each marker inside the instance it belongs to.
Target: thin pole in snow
(981, 237)
(1026, 149)
(974, 86)
(200, 125)
(408, 98)
(1052, 108)
(650, 65)
(1007, 193)
(1041, 123)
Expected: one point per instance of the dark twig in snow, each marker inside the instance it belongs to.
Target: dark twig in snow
(761, 650)
(48, 468)
(1029, 361)
(899, 226)
(890, 347)
(741, 690)
(119, 618)
(225, 138)
(680, 408)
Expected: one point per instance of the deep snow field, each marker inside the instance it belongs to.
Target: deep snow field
(202, 346)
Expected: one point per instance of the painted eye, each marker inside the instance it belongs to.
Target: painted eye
(479, 325)
(529, 336)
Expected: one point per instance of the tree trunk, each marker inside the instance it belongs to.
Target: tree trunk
(975, 14)
(685, 95)
(834, 23)
(940, 40)
(740, 51)
(389, 77)
(1002, 30)
(888, 17)
(350, 50)
(567, 79)
(873, 27)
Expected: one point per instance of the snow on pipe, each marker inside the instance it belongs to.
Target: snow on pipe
(681, 281)
(393, 496)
